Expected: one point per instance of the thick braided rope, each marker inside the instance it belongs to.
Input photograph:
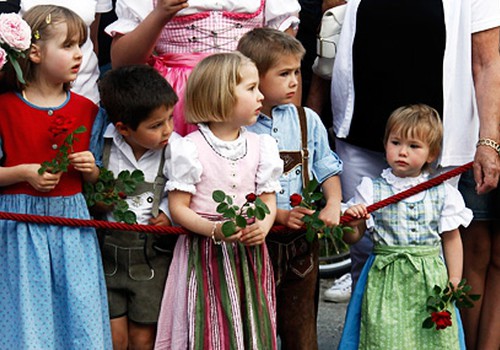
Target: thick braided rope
(52, 220)
(412, 191)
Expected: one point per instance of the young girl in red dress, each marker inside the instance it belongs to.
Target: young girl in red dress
(52, 289)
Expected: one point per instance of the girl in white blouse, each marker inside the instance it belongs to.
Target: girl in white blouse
(220, 290)
(388, 305)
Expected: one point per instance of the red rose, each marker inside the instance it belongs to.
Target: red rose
(251, 197)
(122, 195)
(60, 125)
(442, 319)
(295, 199)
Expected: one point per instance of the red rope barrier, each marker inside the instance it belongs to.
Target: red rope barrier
(411, 191)
(61, 221)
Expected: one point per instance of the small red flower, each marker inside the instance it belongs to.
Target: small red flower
(122, 195)
(442, 319)
(251, 197)
(295, 199)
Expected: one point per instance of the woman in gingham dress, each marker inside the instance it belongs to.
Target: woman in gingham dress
(388, 305)
(180, 35)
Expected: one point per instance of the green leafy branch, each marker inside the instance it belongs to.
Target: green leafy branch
(254, 207)
(313, 199)
(60, 162)
(109, 193)
(439, 303)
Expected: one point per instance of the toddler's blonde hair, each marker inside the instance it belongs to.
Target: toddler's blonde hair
(417, 121)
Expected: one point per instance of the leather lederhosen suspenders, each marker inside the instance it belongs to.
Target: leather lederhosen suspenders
(292, 159)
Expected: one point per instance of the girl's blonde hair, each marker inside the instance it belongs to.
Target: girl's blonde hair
(41, 19)
(210, 90)
(417, 121)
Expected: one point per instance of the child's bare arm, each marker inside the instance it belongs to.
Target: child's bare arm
(360, 214)
(453, 254)
(136, 46)
(182, 214)
(332, 191)
(29, 173)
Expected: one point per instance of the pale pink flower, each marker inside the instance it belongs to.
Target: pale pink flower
(14, 32)
(3, 58)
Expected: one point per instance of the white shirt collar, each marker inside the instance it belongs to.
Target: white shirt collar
(403, 183)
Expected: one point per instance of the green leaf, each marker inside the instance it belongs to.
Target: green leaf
(123, 175)
(250, 213)
(81, 129)
(307, 219)
(474, 297)
(317, 196)
(311, 186)
(241, 221)
(221, 208)
(260, 214)
(121, 205)
(467, 288)
(118, 215)
(137, 175)
(230, 213)
(129, 217)
(17, 68)
(310, 234)
(318, 224)
(437, 290)
(428, 323)
(347, 229)
(218, 196)
(228, 228)
(99, 187)
(229, 200)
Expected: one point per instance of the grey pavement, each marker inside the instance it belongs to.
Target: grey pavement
(330, 320)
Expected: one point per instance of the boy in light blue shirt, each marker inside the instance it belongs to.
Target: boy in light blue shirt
(295, 260)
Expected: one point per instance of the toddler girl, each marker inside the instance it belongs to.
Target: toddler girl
(389, 302)
(53, 294)
(220, 291)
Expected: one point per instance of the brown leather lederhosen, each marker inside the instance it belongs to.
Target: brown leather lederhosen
(295, 262)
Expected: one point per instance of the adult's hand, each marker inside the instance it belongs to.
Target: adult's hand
(486, 72)
(486, 169)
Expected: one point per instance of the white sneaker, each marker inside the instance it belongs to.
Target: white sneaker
(340, 291)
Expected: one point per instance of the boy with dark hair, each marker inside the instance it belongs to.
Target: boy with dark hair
(139, 103)
(295, 260)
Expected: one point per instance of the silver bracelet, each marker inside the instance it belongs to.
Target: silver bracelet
(489, 143)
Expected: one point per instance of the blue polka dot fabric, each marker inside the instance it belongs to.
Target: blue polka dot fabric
(52, 287)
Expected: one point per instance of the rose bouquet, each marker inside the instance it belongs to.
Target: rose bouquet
(108, 194)
(253, 208)
(438, 305)
(315, 227)
(15, 40)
